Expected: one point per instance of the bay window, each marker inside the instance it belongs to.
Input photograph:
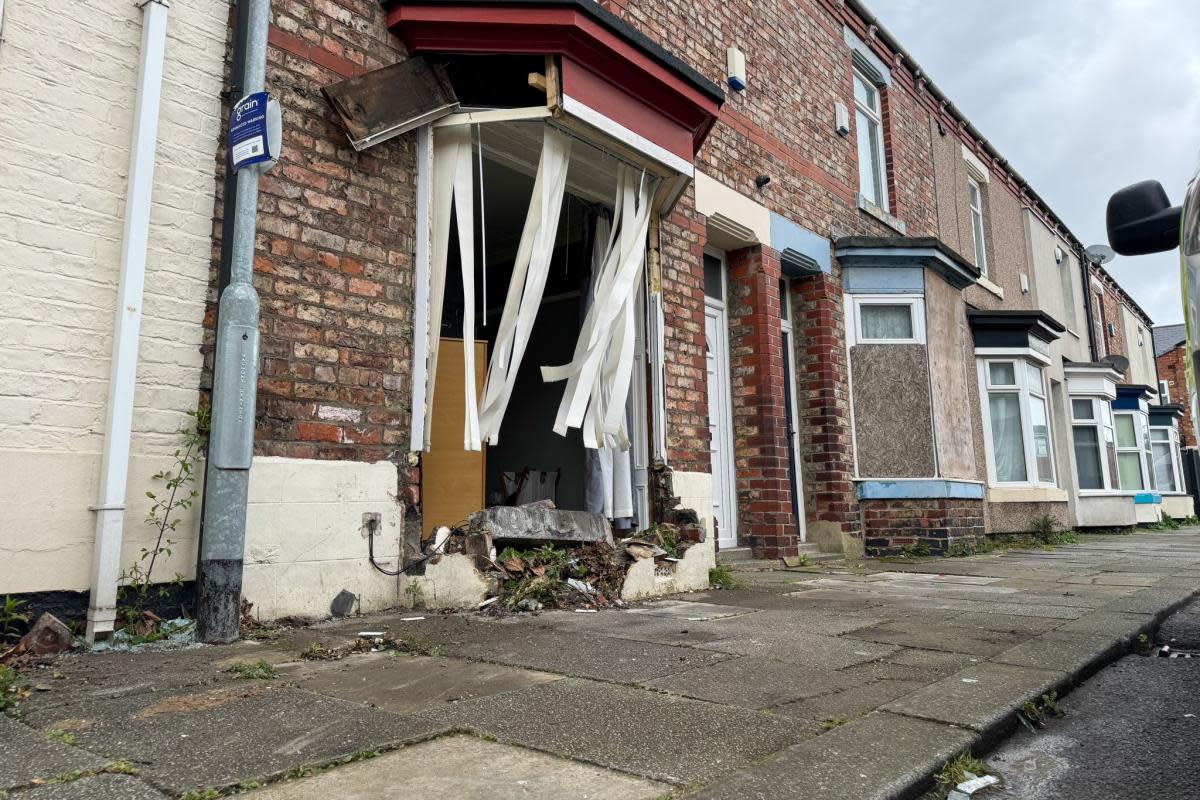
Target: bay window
(1095, 443)
(1133, 451)
(1164, 451)
(1017, 420)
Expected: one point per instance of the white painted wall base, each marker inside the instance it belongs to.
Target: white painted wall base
(1148, 513)
(691, 574)
(1178, 506)
(450, 581)
(1104, 511)
(305, 539)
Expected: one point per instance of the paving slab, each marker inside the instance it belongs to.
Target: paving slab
(850, 703)
(915, 633)
(404, 683)
(803, 649)
(1119, 625)
(1072, 653)
(27, 754)
(467, 768)
(690, 612)
(1155, 600)
(217, 737)
(825, 623)
(640, 627)
(752, 682)
(638, 731)
(876, 756)
(96, 787)
(1004, 623)
(578, 654)
(980, 697)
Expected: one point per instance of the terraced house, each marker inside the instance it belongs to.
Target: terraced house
(638, 258)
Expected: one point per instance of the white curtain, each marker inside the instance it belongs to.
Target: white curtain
(452, 173)
(528, 281)
(608, 485)
(452, 188)
(1009, 449)
(886, 322)
(599, 374)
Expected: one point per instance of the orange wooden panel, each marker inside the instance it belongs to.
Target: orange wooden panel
(452, 479)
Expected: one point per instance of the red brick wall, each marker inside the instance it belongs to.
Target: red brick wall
(334, 250)
(765, 516)
(1172, 368)
(939, 524)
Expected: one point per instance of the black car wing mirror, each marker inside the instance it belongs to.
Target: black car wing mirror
(1141, 220)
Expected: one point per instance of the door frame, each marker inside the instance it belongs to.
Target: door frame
(792, 408)
(729, 537)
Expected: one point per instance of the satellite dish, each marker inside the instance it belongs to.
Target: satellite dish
(1100, 254)
(1118, 362)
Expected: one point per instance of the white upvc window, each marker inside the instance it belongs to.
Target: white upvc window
(1095, 443)
(887, 319)
(1164, 392)
(1133, 451)
(1165, 459)
(872, 164)
(975, 196)
(1017, 422)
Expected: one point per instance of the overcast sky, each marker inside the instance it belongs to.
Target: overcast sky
(1081, 96)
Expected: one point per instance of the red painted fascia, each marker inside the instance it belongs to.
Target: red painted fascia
(572, 34)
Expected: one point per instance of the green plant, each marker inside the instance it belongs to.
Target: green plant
(253, 670)
(202, 794)
(10, 615)
(1165, 523)
(832, 723)
(177, 494)
(918, 550)
(955, 772)
(66, 737)
(416, 594)
(721, 575)
(10, 689)
(1044, 526)
(1036, 712)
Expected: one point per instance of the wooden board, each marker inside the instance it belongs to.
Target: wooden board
(452, 479)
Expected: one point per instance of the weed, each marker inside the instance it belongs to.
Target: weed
(121, 767)
(1044, 526)
(10, 689)
(1143, 644)
(955, 772)
(12, 618)
(66, 737)
(1036, 712)
(918, 550)
(722, 576)
(118, 767)
(1165, 523)
(416, 594)
(835, 722)
(177, 494)
(315, 652)
(253, 670)
(202, 794)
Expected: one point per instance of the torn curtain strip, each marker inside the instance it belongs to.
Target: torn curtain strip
(528, 281)
(599, 374)
(452, 189)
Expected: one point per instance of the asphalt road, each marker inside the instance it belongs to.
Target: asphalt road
(1132, 731)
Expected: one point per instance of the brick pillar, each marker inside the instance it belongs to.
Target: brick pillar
(765, 517)
(824, 404)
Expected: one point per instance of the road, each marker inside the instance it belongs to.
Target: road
(1132, 731)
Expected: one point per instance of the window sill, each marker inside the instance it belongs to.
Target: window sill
(991, 287)
(1031, 493)
(875, 212)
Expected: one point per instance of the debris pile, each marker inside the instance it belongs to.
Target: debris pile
(536, 556)
(47, 636)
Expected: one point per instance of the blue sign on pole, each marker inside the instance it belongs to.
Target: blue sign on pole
(248, 139)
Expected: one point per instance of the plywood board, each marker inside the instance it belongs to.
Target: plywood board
(452, 479)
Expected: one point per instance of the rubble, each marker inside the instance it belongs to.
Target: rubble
(47, 636)
(535, 523)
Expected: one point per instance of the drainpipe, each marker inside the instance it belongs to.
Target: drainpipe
(1086, 267)
(110, 510)
(235, 381)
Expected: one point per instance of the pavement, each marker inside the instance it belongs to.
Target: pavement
(832, 681)
(1130, 731)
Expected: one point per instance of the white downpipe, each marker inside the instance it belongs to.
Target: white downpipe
(110, 511)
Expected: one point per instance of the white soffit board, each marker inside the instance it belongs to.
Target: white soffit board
(732, 213)
(626, 137)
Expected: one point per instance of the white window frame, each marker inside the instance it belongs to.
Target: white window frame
(1025, 392)
(1172, 442)
(875, 115)
(1141, 433)
(1105, 426)
(978, 221)
(916, 307)
(1164, 393)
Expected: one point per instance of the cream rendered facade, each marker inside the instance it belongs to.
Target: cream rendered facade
(69, 83)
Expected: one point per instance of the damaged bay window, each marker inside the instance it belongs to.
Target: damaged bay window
(1018, 424)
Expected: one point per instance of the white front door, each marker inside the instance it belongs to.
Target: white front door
(720, 424)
